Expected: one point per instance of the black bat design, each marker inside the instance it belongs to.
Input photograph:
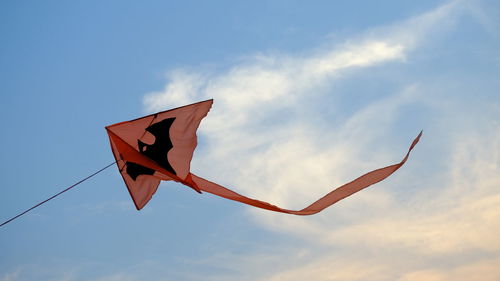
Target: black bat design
(156, 151)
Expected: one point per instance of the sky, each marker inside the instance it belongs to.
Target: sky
(308, 95)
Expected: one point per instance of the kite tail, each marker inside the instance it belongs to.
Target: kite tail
(329, 199)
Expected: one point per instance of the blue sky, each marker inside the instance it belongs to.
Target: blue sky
(307, 96)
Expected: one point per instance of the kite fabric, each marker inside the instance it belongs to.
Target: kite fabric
(160, 147)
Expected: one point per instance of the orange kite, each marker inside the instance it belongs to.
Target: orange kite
(160, 147)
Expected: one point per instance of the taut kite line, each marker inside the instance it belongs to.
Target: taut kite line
(160, 147)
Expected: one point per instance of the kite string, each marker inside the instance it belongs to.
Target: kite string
(54, 196)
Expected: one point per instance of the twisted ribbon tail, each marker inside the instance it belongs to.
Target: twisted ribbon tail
(329, 199)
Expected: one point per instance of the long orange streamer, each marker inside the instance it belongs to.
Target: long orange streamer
(334, 196)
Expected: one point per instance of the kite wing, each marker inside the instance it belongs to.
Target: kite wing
(160, 147)
(156, 147)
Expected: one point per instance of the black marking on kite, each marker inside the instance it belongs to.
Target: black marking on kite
(156, 151)
(134, 170)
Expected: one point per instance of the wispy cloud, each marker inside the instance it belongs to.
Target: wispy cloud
(265, 108)
(272, 134)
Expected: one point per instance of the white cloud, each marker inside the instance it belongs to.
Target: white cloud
(264, 138)
(263, 108)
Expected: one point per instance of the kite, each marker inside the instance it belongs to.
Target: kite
(160, 147)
